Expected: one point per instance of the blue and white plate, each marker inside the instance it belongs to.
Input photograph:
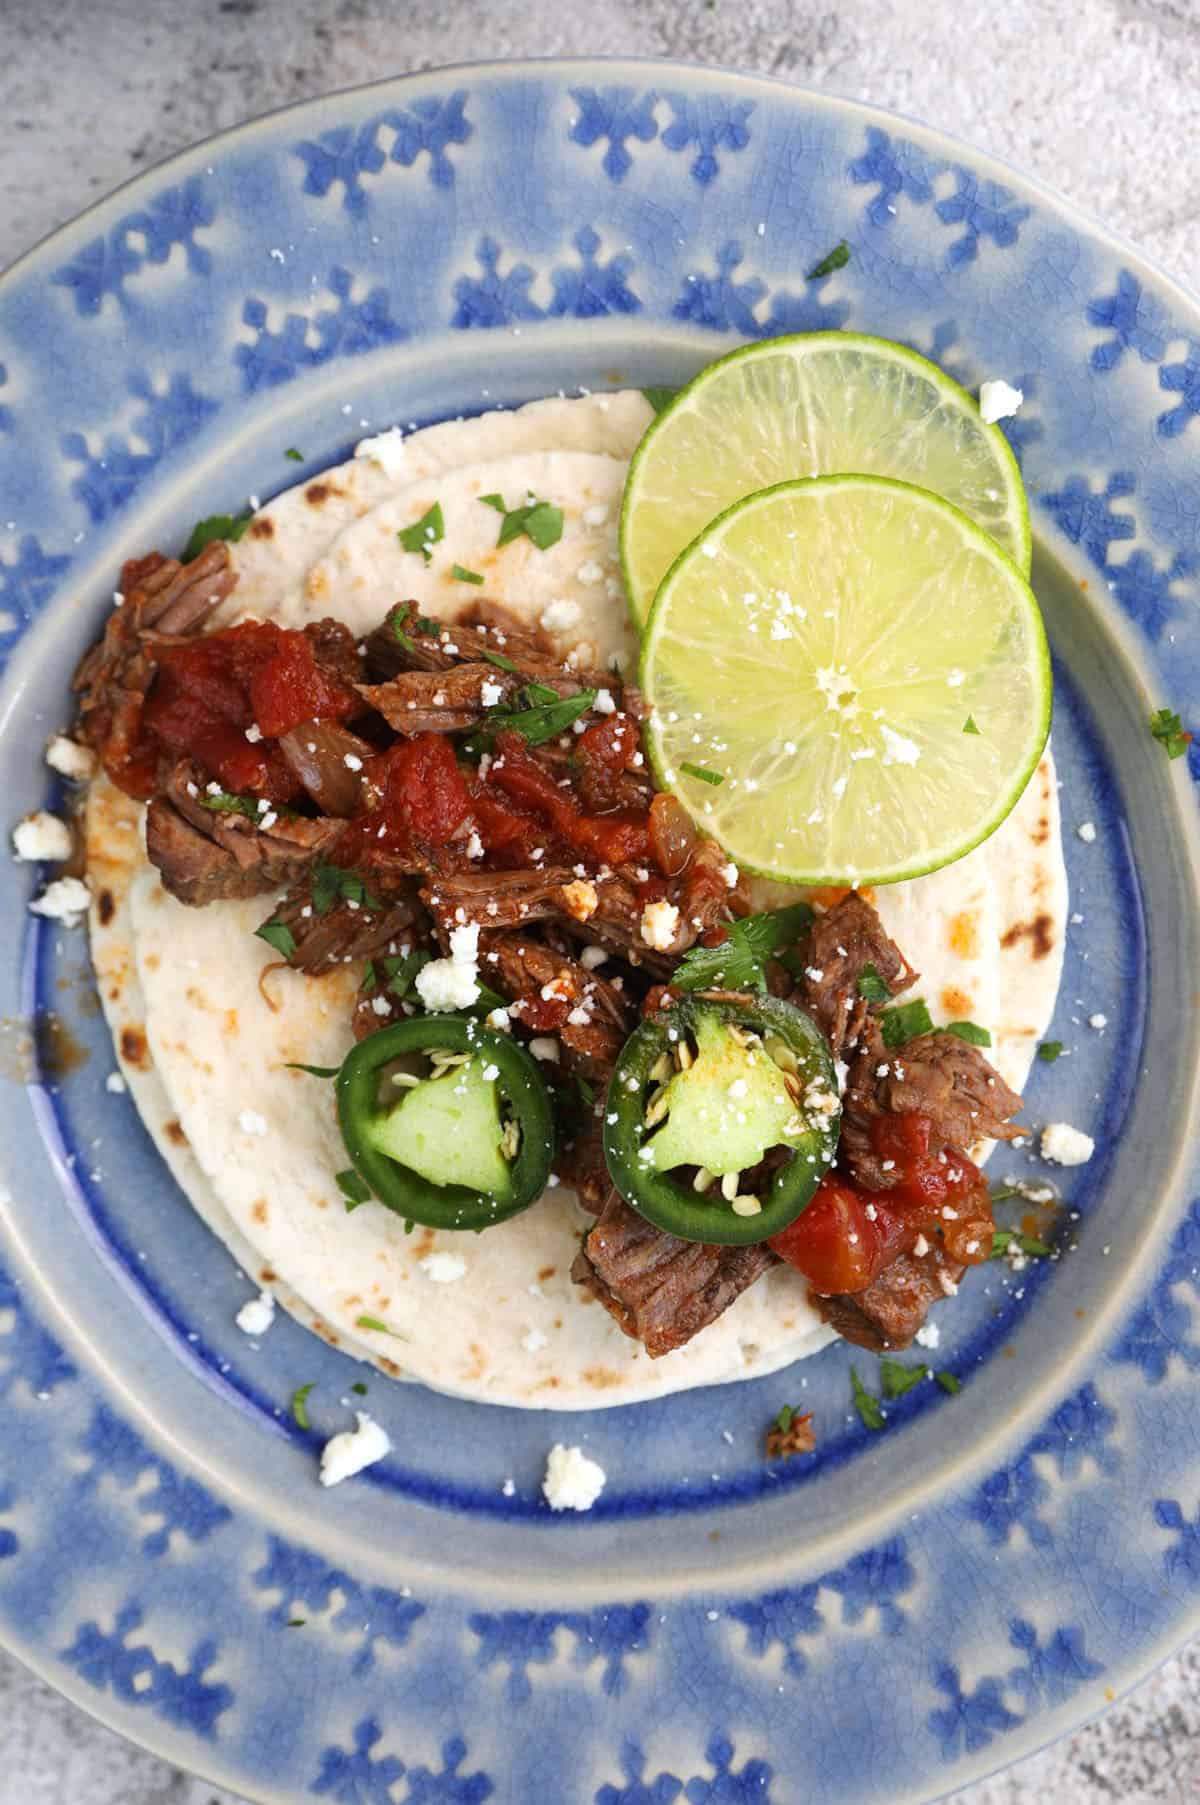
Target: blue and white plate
(908, 1609)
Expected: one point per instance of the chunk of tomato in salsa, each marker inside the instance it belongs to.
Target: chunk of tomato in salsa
(418, 796)
(199, 707)
(615, 839)
(848, 1235)
(291, 688)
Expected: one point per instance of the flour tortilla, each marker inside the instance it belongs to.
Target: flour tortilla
(206, 1057)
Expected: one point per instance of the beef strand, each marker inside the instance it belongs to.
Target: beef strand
(887, 1315)
(204, 856)
(841, 944)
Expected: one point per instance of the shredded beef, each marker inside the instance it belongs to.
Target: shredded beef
(487, 628)
(842, 943)
(204, 856)
(889, 1312)
(498, 899)
(661, 1290)
(335, 649)
(162, 598)
(435, 701)
(522, 968)
(347, 932)
(938, 1075)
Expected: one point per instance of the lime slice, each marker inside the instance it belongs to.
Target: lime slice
(812, 405)
(850, 682)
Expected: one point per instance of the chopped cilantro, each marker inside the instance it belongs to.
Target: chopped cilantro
(871, 986)
(278, 935)
(217, 526)
(330, 885)
(464, 575)
(837, 258)
(737, 964)
(297, 1623)
(867, 1406)
(227, 804)
(397, 971)
(536, 712)
(948, 1382)
(300, 1407)
(897, 1379)
(703, 774)
(297, 457)
(353, 1189)
(429, 628)
(539, 521)
(402, 638)
(783, 1421)
(969, 725)
(373, 1322)
(498, 659)
(1003, 1239)
(660, 397)
(314, 1071)
(1168, 730)
(359, 1388)
(968, 1031)
(1002, 1193)
(424, 533)
(905, 1022)
(1050, 1050)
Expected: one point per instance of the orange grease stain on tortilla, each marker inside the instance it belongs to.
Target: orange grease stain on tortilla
(956, 1002)
(134, 1050)
(547, 1272)
(231, 1021)
(478, 1364)
(963, 935)
(152, 961)
(259, 1210)
(1039, 932)
(601, 1378)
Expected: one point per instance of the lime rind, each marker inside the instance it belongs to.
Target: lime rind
(959, 457)
(735, 691)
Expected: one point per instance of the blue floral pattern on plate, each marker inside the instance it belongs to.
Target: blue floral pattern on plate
(993, 1566)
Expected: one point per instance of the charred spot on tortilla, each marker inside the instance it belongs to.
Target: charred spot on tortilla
(318, 493)
(1039, 932)
(174, 1132)
(1041, 832)
(262, 527)
(106, 907)
(134, 1050)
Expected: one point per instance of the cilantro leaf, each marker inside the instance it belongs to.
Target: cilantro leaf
(330, 885)
(1002, 1193)
(737, 964)
(225, 803)
(867, 1406)
(897, 1379)
(1050, 1050)
(1003, 1239)
(539, 521)
(703, 773)
(1168, 730)
(429, 628)
(968, 1031)
(299, 1406)
(660, 397)
(837, 258)
(314, 1071)
(397, 971)
(783, 1420)
(380, 1328)
(948, 1382)
(463, 575)
(499, 660)
(536, 712)
(277, 934)
(871, 986)
(424, 532)
(297, 457)
(969, 725)
(217, 526)
(905, 1022)
(353, 1189)
(360, 1388)
(297, 1623)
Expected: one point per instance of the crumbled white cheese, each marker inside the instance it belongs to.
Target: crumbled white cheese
(660, 921)
(730, 874)
(534, 1342)
(256, 1315)
(572, 1482)
(580, 898)
(65, 900)
(591, 572)
(381, 1005)
(354, 1449)
(116, 1084)
(250, 1122)
(499, 1019)
(254, 733)
(69, 758)
(443, 1268)
(490, 1073)
(509, 1488)
(595, 516)
(997, 400)
(1097, 1021)
(592, 956)
(41, 837)
(352, 761)
(1086, 831)
(385, 449)
(545, 1047)
(558, 616)
(929, 1335)
(920, 1246)
(604, 703)
(490, 693)
(474, 846)
(453, 983)
(1065, 1145)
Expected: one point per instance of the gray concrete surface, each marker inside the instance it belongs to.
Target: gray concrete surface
(1101, 97)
